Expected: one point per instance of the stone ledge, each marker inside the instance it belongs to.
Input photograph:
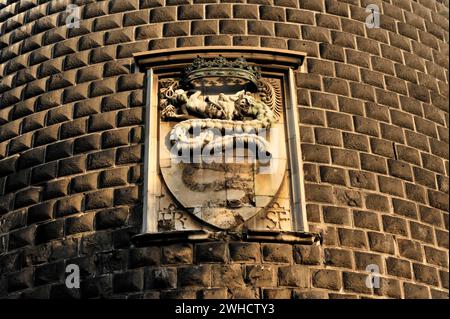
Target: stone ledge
(265, 236)
(164, 59)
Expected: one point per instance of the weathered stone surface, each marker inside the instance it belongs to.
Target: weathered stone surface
(373, 123)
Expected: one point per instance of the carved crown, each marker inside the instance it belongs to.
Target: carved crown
(221, 67)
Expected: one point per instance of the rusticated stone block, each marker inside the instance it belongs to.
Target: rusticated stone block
(338, 257)
(413, 291)
(27, 197)
(111, 218)
(319, 193)
(245, 252)
(127, 195)
(79, 224)
(436, 256)
(5, 203)
(49, 273)
(389, 287)
(355, 141)
(95, 242)
(86, 143)
(390, 186)
(367, 220)
(348, 197)
(74, 128)
(33, 157)
(398, 267)
(308, 294)
(84, 183)
(230, 276)
(147, 256)
(415, 192)
(8, 166)
(46, 135)
(190, 12)
(426, 274)
(176, 29)
(130, 154)
(276, 293)
(332, 175)
(424, 177)
(404, 208)
(328, 136)
(19, 144)
(68, 205)
(352, 238)
(272, 13)
(132, 116)
(408, 154)
(194, 276)
(395, 225)
(363, 260)
(163, 14)
(72, 166)
(44, 173)
(327, 279)
(99, 199)
(59, 150)
(218, 11)
(277, 253)
(438, 200)
(99, 122)
(441, 237)
(204, 27)
(20, 280)
(160, 278)
(98, 287)
(21, 238)
(40, 212)
(115, 138)
(49, 231)
(101, 159)
(355, 282)
(211, 252)
(362, 180)
(345, 157)
(332, 52)
(308, 255)
(432, 163)
(336, 215)
(17, 181)
(400, 169)
(315, 153)
(115, 177)
(293, 276)
(217, 40)
(177, 254)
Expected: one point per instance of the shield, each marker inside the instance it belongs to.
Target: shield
(222, 145)
(224, 193)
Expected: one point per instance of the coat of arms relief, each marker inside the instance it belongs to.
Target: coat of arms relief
(222, 149)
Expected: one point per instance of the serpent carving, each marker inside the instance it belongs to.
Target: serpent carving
(216, 123)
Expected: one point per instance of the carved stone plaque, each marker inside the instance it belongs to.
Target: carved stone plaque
(222, 148)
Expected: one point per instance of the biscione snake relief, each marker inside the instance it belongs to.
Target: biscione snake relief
(222, 121)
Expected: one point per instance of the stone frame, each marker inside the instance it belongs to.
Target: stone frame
(279, 62)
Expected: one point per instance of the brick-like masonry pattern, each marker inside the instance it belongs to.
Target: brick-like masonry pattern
(374, 130)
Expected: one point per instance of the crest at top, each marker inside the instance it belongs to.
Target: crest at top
(239, 69)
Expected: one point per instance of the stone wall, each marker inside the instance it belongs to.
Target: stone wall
(374, 128)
